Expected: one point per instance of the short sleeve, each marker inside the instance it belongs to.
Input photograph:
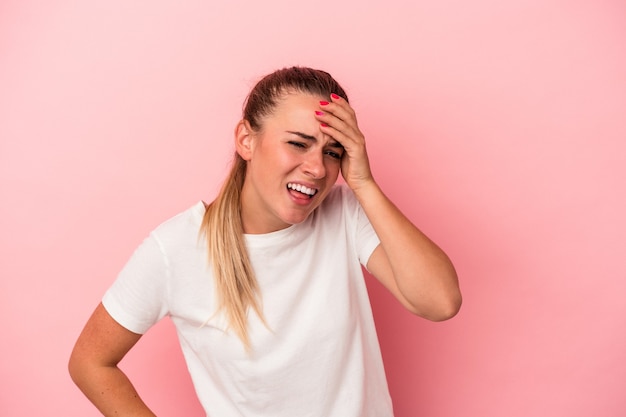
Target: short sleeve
(138, 297)
(366, 239)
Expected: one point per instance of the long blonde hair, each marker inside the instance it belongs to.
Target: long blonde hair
(235, 282)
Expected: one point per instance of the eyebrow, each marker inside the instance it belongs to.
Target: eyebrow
(333, 144)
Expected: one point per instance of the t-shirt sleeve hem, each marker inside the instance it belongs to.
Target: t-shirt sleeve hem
(367, 251)
(117, 312)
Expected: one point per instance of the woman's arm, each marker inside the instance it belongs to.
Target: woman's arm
(93, 366)
(407, 262)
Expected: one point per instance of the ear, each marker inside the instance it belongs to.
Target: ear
(244, 140)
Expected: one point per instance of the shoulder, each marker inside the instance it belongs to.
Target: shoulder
(339, 195)
(340, 205)
(188, 217)
(181, 227)
(341, 199)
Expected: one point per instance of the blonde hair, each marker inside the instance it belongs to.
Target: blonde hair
(236, 285)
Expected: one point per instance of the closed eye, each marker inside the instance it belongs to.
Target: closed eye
(297, 144)
(335, 150)
(333, 154)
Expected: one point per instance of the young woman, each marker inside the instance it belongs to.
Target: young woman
(265, 285)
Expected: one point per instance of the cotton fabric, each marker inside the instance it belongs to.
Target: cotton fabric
(319, 354)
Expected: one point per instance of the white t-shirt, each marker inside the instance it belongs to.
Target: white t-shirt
(320, 355)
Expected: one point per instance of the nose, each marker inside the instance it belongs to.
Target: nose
(313, 165)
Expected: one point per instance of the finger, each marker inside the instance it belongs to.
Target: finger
(349, 141)
(340, 120)
(330, 119)
(343, 104)
(343, 133)
(339, 108)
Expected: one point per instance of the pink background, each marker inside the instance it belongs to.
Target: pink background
(499, 128)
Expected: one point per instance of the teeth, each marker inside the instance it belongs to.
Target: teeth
(301, 188)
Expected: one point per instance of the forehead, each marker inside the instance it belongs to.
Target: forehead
(295, 115)
(293, 102)
(294, 111)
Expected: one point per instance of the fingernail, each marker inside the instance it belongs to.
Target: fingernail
(323, 103)
(324, 124)
(319, 113)
(334, 96)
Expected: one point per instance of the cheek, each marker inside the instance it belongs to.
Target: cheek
(272, 161)
(333, 169)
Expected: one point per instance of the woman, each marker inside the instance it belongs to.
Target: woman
(276, 319)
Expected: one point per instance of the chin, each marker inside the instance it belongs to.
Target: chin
(296, 218)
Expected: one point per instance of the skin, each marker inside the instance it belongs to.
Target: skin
(416, 271)
(290, 149)
(411, 266)
(94, 367)
(307, 141)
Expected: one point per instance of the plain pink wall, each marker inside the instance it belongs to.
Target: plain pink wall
(499, 127)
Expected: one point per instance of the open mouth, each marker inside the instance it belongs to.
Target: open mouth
(310, 192)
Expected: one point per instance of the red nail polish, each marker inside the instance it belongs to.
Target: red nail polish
(324, 124)
(323, 103)
(319, 113)
(334, 96)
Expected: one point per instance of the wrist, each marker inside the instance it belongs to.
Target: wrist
(366, 189)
